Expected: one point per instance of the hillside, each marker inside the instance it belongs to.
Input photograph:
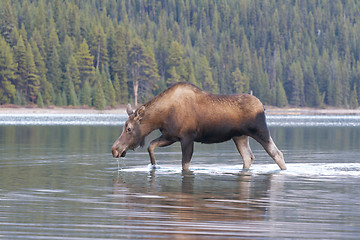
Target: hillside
(104, 53)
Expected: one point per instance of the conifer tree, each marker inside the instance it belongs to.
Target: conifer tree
(205, 76)
(117, 90)
(85, 94)
(118, 64)
(7, 21)
(39, 100)
(20, 58)
(98, 95)
(73, 71)
(241, 82)
(353, 98)
(281, 99)
(32, 78)
(111, 94)
(7, 73)
(48, 94)
(136, 61)
(70, 89)
(54, 72)
(175, 64)
(85, 62)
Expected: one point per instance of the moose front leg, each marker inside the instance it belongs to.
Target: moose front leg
(187, 148)
(158, 142)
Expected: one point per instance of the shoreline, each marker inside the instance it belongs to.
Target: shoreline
(270, 110)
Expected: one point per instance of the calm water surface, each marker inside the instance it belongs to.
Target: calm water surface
(58, 180)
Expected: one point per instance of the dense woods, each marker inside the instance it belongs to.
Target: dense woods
(102, 53)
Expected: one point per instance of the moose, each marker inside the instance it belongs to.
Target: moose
(187, 114)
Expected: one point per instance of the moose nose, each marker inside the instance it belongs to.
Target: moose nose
(115, 153)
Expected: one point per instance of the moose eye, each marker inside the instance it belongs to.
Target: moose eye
(128, 129)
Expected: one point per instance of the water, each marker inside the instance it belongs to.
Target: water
(58, 180)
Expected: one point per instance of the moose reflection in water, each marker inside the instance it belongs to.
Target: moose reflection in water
(186, 114)
(199, 198)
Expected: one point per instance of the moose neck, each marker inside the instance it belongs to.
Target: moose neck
(151, 121)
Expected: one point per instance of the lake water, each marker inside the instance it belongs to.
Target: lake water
(58, 180)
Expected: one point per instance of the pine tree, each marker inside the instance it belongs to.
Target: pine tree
(353, 99)
(48, 94)
(98, 95)
(205, 76)
(99, 47)
(111, 97)
(117, 90)
(136, 61)
(281, 99)
(85, 63)
(20, 58)
(73, 71)
(175, 64)
(39, 100)
(32, 78)
(7, 73)
(59, 101)
(70, 89)
(241, 82)
(54, 72)
(85, 95)
(7, 21)
(118, 64)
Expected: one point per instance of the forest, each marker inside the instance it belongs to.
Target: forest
(104, 53)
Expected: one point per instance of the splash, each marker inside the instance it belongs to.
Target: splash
(295, 169)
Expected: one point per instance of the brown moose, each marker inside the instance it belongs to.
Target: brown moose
(185, 113)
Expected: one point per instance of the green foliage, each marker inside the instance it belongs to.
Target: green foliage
(7, 73)
(304, 52)
(353, 100)
(85, 94)
(40, 101)
(98, 95)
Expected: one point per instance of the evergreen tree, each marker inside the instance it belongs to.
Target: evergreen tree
(49, 93)
(85, 95)
(111, 94)
(117, 89)
(353, 99)
(85, 63)
(70, 89)
(7, 22)
(241, 82)
(99, 47)
(205, 76)
(39, 100)
(20, 58)
(72, 71)
(136, 61)
(54, 72)
(32, 78)
(7, 73)
(281, 100)
(175, 64)
(98, 95)
(118, 64)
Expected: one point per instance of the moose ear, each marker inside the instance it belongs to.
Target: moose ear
(129, 109)
(139, 113)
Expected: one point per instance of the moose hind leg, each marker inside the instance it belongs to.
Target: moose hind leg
(158, 142)
(242, 145)
(274, 152)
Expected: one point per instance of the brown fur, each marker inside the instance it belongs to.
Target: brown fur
(187, 114)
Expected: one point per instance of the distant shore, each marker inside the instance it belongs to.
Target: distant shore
(270, 110)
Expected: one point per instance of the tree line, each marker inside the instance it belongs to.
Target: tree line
(104, 53)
